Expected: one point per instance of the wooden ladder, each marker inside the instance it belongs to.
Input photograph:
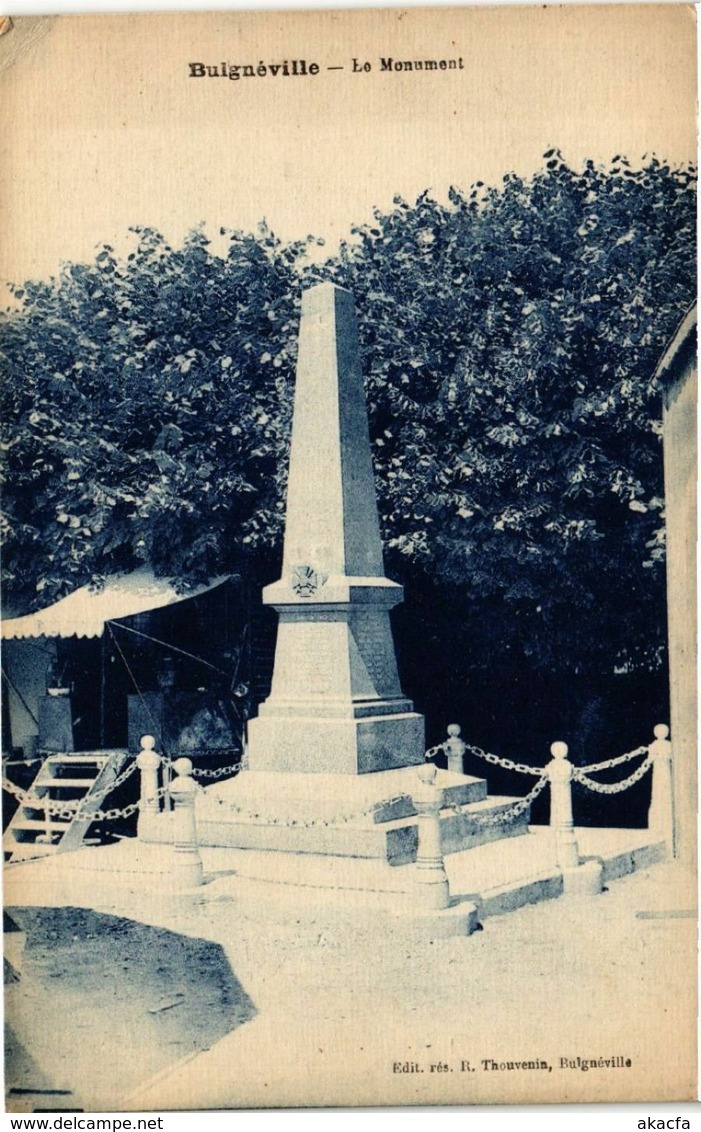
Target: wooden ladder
(83, 776)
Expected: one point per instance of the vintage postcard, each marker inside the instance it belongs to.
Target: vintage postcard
(349, 603)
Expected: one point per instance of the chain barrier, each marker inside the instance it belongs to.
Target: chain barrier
(126, 812)
(579, 775)
(507, 764)
(300, 823)
(507, 815)
(203, 772)
(70, 810)
(523, 768)
(202, 752)
(612, 787)
(98, 794)
(608, 763)
(56, 805)
(35, 802)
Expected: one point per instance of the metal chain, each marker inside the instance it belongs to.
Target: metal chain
(125, 774)
(51, 804)
(193, 753)
(341, 819)
(203, 772)
(56, 805)
(608, 763)
(337, 819)
(70, 810)
(513, 812)
(612, 787)
(508, 764)
(113, 814)
(437, 750)
(523, 768)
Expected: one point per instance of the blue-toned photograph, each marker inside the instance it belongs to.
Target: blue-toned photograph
(348, 399)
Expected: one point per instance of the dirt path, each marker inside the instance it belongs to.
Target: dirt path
(336, 996)
(105, 1002)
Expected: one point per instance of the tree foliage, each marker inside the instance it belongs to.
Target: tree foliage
(509, 340)
(146, 403)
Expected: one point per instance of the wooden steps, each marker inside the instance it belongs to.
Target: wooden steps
(65, 783)
(85, 777)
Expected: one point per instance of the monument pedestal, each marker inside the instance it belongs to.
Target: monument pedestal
(336, 705)
(313, 745)
(368, 816)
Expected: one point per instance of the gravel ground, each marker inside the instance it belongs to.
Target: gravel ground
(105, 1002)
(337, 998)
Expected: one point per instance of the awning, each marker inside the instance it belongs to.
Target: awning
(85, 612)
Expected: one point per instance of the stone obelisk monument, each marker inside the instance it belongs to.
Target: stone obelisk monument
(336, 705)
(333, 750)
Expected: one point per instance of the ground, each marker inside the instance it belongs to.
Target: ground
(328, 1003)
(107, 979)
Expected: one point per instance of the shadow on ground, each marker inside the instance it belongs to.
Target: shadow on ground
(104, 1003)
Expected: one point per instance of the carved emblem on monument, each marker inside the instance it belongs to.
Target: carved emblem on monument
(306, 580)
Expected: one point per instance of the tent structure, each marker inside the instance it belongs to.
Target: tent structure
(86, 611)
(32, 644)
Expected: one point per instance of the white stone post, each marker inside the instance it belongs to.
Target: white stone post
(431, 878)
(455, 749)
(578, 879)
(148, 763)
(560, 772)
(660, 818)
(187, 863)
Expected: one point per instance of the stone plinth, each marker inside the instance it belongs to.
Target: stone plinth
(336, 704)
(370, 816)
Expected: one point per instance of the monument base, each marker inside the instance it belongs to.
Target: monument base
(320, 745)
(363, 816)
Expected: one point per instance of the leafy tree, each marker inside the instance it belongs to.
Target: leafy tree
(509, 338)
(146, 403)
